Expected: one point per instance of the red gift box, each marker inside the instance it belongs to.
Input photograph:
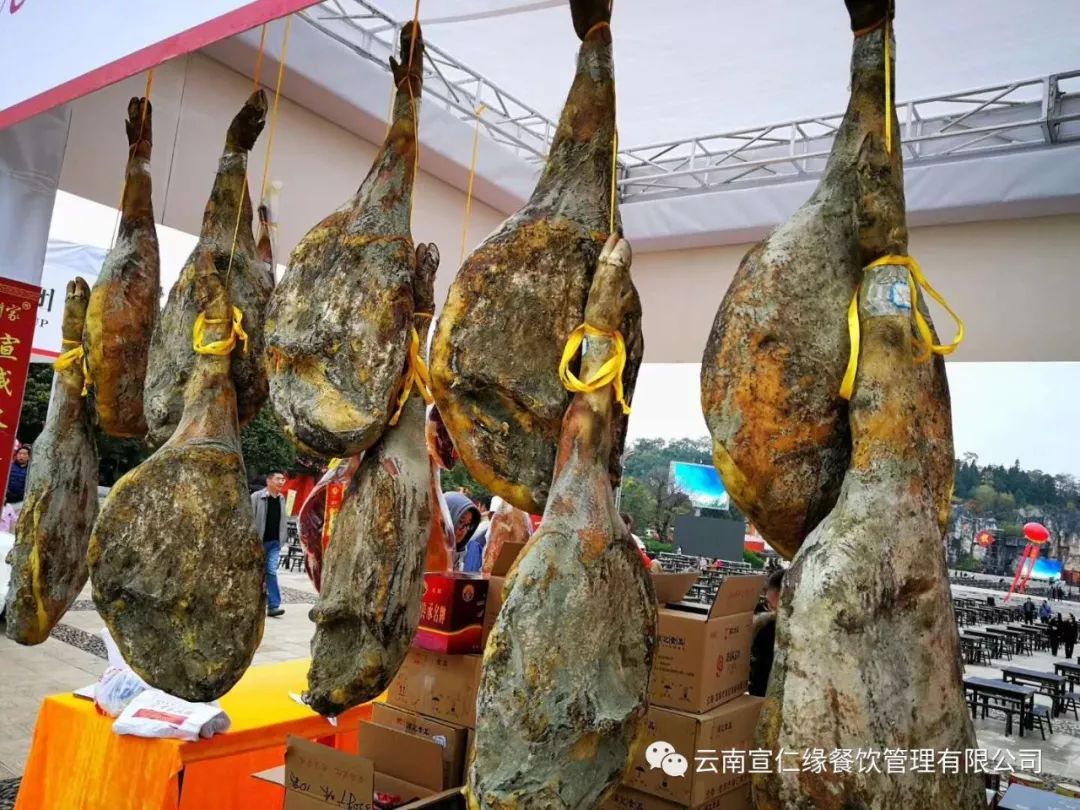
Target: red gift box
(452, 613)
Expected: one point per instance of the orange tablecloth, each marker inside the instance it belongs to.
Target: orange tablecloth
(76, 762)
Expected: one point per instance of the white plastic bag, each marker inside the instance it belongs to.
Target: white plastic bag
(156, 714)
(119, 685)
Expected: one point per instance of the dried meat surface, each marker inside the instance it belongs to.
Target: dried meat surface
(338, 324)
(48, 560)
(373, 568)
(175, 561)
(522, 291)
(776, 355)
(566, 669)
(228, 242)
(867, 649)
(124, 303)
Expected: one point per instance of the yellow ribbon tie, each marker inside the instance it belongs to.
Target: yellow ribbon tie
(610, 373)
(70, 358)
(218, 347)
(417, 376)
(926, 336)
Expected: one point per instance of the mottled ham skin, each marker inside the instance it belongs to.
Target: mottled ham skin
(249, 279)
(776, 355)
(508, 525)
(867, 650)
(48, 560)
(338, 324)
(311, 519)
(124, 303)
(519, 295)
(373, 571)
(566, 668)
(175, 561)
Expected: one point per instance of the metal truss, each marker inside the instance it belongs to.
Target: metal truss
(364, 28)
(1022, 115)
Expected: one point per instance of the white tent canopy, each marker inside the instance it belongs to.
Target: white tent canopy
(696, 67)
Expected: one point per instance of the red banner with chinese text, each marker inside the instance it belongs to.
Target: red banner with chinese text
(18, 316)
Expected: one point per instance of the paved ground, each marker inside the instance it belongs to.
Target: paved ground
(74, 657)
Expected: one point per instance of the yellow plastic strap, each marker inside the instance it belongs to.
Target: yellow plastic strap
(608, 374)
(218, 347)
(70, 358)
(417, 376)
(926, 336)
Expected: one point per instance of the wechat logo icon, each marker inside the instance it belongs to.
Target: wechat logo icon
(662, 755)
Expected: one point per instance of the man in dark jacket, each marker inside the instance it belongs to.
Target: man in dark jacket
(16, 485)
(1068, 635)
(1054, 634)
(763, 645)
(271, 522)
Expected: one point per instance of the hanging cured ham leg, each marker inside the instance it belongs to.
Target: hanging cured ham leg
(566, 668)
(373, 572)
(867, 644)
(48, 561)
(125, 300)
(228, 242)
(773, 365)
(175, 562)
(338, 324)
(518, 296)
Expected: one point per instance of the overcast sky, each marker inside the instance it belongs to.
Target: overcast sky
(1002, 411)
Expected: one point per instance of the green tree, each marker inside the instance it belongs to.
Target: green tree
(755, 560)
(459, 477)
(636, 500)
(985, 498)
(266, 447)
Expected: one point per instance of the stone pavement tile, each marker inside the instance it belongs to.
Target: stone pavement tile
(13, 754)
(7, 773)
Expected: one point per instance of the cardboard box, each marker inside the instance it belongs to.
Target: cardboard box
(452, 613)
(494, 604)
(508, 555)
(316, 777)
(672, 587)
(626, 799)
(453, 739)
(699, 740)
(440, 686)
(703, 659)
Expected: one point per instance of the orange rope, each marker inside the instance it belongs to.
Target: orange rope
(244, 188)
(274, 109)
(472, 177)
(259, 58)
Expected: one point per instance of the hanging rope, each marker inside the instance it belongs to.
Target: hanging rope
(472, 178)
(244, 188)
(416, 375)
(218, 347)
(610, 373)
(916, 280)
(76, 354)
(274, 110)
(259, 58)
(123, 186)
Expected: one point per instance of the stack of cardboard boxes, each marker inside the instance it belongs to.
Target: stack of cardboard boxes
(698, 710)
(698, 707)
(433, 695)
